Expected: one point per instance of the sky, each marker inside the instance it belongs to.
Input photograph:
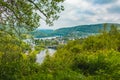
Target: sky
(85, 12)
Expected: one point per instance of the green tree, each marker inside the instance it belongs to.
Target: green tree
(18, 14)
(113, 30)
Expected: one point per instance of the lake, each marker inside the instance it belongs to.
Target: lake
(44, 38)
(41, 56)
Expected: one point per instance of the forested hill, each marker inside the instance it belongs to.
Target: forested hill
(75, 31)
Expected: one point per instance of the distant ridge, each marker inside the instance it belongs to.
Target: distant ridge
(74, 31)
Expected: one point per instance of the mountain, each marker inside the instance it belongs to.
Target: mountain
(75, 31)
(39, 33)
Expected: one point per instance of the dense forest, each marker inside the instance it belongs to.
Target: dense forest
(92, 58)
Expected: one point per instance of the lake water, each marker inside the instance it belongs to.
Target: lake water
(44, 38)
(41, 56)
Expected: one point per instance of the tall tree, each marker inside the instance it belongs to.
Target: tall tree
(28, 13)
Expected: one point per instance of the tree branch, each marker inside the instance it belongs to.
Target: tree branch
(37, 8)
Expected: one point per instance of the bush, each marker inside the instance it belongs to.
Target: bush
(103, 63)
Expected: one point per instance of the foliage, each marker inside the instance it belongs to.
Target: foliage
(14, 63)
(18, 14)
(91, 58)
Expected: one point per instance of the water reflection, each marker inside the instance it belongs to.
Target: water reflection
(42, 54)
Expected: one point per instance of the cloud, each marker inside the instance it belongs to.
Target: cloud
(80, 12)
(103, 1)
(89, 12)
(114, 9)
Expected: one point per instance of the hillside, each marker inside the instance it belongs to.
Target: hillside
(39, 33)
(75, 31)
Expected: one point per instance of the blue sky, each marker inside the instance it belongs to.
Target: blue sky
(80, 12)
